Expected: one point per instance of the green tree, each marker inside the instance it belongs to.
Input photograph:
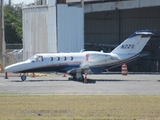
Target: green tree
(13, 23)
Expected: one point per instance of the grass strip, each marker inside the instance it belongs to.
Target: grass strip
(81, 107)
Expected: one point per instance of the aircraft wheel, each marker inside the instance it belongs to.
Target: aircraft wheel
(23, 77)
(80, 79)
(72, 78)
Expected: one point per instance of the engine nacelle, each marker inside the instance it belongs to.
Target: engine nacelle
(98, 57)
(114, 57)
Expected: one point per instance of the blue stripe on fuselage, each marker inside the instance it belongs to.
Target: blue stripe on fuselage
(54, 67)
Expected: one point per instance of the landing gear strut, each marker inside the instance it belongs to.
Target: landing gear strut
(79, 76)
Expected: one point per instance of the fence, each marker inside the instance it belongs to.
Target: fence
(13, 57)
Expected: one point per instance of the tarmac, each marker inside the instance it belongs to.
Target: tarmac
(98, 84)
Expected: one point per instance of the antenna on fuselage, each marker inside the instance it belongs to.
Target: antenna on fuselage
(82, 50)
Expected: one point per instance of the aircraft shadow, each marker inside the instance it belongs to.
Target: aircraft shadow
(110, 80)
(89, 81)
(38, 80)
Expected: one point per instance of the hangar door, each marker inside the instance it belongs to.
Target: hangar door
(104, 30)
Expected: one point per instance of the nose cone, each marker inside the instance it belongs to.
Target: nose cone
(18, 67)
(11, 68)
(6, 69)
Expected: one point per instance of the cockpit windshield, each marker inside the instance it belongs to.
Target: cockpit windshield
(37, 58)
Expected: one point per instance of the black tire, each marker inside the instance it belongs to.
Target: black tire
(80, 79)
(23, 77)
(72, 78)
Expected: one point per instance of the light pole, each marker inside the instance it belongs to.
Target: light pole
(82, 3)
(2, 41)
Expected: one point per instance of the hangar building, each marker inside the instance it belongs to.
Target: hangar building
(71, 25)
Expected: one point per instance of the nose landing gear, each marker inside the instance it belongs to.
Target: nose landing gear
(23, 77)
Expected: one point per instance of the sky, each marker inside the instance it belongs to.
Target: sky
(20, 1)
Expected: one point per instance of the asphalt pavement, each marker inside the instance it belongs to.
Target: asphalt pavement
(99, 84)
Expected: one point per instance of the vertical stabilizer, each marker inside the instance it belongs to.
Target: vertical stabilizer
(135, 43)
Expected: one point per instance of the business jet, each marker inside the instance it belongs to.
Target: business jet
(79, 63)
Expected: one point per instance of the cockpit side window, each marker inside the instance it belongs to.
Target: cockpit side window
(40, 58)
(36, 58)
(32, 58)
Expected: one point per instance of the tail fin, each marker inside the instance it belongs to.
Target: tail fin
(135, 43)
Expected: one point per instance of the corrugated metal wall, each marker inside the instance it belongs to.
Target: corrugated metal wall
(101, 27)
(70, 27)
(143, 18)
(35, 30)
(52, 29)
(115, 26)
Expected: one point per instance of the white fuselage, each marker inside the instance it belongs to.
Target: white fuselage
(66, 62)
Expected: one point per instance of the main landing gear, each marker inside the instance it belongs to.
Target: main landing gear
(74, 78)
(79, 77)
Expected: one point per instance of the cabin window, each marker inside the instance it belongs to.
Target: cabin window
(65, 58)
(71, 58)
(51, 58)
(58, 58)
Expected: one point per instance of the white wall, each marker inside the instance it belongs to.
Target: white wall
(50, 29)
(34, 30)
(70, 27)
